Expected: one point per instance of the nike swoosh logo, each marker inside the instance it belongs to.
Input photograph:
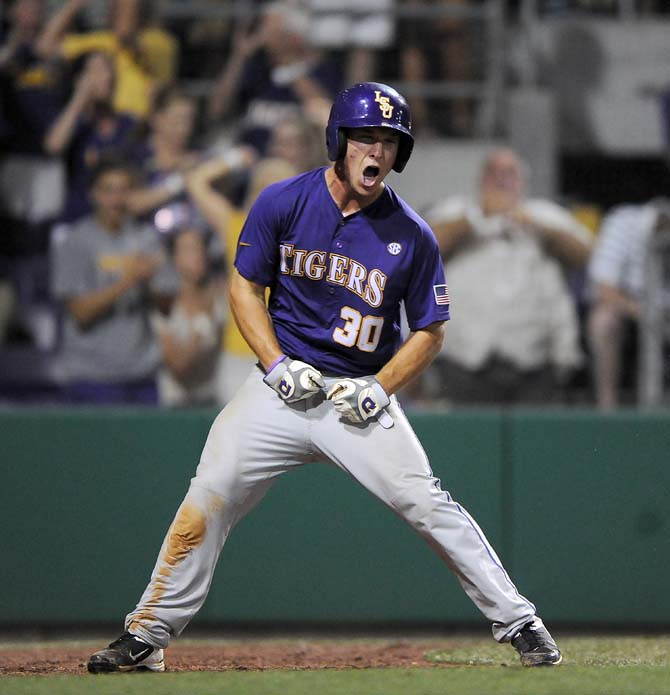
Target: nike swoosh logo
(244, 243)
(139, 655)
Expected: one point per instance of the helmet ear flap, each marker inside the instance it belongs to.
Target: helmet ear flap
(404, 151)
(341, 143)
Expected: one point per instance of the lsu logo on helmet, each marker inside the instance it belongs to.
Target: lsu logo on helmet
(384, 104)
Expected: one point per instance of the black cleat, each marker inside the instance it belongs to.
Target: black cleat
(536, 646)
(128, 653)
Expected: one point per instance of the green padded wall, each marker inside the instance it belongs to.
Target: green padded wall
(592, 519)
(575, 504)
(89, 495)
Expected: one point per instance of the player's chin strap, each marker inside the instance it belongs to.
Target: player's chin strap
(358, 400)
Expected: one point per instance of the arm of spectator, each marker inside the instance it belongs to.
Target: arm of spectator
(314, 99)
(452, 223)
(8, 49)
(612, 296)
(86, 308)
(48, 43)
(147, 198)
(214, 206)
(568, 248)
(126, 20)
(62, 130)
(308, 90)
(154, 48)
(450, 233)
(222, 97)
(568, 242)
(179, 357)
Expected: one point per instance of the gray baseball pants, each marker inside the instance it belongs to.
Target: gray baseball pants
(258, 437)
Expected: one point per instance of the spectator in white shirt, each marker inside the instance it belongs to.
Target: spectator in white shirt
(514, 329)
(617, 276)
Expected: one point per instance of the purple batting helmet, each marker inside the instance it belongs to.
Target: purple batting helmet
(369, 105)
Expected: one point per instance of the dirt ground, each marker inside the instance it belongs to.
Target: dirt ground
(243, 655)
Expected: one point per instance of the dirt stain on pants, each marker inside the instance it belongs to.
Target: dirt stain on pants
(186, 533)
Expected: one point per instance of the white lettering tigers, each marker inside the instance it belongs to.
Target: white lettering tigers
(336, 269)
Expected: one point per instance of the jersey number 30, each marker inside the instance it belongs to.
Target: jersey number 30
(362, 331)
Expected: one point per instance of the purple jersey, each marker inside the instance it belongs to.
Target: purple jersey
(337, 282)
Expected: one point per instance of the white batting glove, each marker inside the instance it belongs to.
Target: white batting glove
(360, 399)
(294, 380)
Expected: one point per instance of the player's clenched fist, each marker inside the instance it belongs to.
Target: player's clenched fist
(294, 380)
(360, 399)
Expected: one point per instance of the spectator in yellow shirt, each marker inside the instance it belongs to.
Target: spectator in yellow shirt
(228, 220)
(144, 56)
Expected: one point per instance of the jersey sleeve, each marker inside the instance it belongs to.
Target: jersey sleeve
(257, 253)
(427, 299)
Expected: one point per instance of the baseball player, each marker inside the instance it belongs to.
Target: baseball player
(340, 252)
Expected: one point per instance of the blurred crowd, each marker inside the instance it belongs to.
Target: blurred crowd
(122, 195)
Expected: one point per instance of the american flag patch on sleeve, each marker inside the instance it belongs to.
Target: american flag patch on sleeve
(441, 294)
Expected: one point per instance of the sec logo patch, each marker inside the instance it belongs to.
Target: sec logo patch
(394, 248)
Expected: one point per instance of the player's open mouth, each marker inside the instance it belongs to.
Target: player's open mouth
(370, 175)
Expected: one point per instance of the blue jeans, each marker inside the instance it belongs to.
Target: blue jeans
(121, 393)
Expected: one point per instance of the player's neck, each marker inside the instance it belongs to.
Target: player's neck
(347, 199)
